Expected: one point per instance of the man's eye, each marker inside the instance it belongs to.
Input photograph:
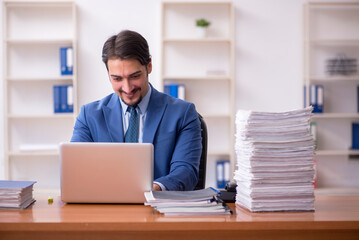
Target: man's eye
(135, 76)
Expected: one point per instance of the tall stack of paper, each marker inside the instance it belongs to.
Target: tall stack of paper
(16, 194)
(197, 202)
(275, 168)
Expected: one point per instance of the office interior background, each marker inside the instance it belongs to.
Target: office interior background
(268, 71)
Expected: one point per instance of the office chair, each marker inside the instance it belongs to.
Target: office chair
(203, 160)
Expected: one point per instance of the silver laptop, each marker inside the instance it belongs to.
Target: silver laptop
(106, 172)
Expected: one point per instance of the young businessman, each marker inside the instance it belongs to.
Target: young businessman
(137, 112)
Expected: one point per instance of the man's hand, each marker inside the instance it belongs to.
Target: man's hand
(156, 187)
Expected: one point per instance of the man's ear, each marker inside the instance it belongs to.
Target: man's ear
(149, 67)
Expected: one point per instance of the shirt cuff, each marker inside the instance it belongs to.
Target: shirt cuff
(163, 188)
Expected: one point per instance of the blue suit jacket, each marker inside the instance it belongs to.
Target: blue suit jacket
(171, 125)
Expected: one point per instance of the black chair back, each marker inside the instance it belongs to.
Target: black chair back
(203, 161)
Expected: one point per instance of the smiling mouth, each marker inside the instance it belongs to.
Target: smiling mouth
(132, 93)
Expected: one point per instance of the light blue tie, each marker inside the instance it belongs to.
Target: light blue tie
(132, 131)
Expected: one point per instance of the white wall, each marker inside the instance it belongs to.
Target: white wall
(269, 55)
(268, 49)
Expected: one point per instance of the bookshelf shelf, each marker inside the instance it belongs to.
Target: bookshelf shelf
(334, 42)
(197, 40)
(218, 153)
(337, 152)
(335, 79)
(31, 69)
(337, 191)
(205, 66)
(43, 116)
(335, 116)
(216, 116)
(39, 41)
(41, 79)
(34, 153)
(197, 78)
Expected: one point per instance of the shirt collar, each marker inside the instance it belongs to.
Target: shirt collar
(142, 106)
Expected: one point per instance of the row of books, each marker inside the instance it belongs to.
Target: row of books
(316, 97)
(63, 98)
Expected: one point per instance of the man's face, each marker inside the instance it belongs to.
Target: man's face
(129, 79)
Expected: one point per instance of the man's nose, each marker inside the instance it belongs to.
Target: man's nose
(126, 86)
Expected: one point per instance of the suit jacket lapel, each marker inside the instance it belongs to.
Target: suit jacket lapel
(155, 111)
(113, 117)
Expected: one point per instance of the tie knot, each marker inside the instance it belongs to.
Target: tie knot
(131, 109)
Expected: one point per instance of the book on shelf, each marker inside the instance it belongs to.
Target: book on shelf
(223, 173)
(66, 60)
(341, 65)
(197, 202)
(355, 136)
(63, 98)
(316, 100)
(176, 90)
(16, 194)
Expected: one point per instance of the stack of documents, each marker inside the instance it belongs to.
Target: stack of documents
(198, 202)
(275, 169)
(16, 194)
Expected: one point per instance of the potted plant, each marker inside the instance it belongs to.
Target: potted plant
(202, 25)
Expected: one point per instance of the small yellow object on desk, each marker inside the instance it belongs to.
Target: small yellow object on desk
(50, 200)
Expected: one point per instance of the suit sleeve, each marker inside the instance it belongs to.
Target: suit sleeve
(81, 131)
(185, 160)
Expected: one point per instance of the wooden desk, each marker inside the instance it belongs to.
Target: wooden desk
(336, 217)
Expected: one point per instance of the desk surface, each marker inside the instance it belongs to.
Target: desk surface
(335, 216)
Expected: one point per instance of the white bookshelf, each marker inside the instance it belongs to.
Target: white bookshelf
(205, 65)
(33, 33)
(331, 28)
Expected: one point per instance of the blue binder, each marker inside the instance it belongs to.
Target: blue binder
(63, 98)
(57, 100)
(69, 99)
(355, 135)
(223, 173)
(317, 98)
(172, 90)
(66, 60)
(220, 174)
(176, 90)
